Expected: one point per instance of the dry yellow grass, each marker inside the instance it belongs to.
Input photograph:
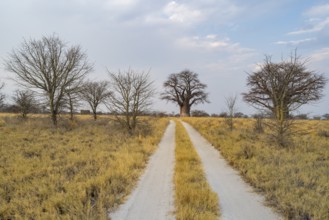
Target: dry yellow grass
(193, 197)
(81, 170)
(295, 180)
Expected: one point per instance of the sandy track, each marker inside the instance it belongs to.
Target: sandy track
(237, 199)
(153, 198)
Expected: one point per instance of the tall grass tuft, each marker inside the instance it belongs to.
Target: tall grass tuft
(193, 199)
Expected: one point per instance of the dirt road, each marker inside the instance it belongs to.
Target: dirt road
(153, 198)
(237, 199)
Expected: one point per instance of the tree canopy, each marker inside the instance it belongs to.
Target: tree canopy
(50, 66)
(131, 96)
(95, 93)
(185, 89)
(283, 87)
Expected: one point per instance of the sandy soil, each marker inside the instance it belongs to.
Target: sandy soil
(237, 199)
(154, 197)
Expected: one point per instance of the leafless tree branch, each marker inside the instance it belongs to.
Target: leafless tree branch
(50, 66)
(95, 93)
(25, 101)
(283, 87)
(231, 109)
(131, 96)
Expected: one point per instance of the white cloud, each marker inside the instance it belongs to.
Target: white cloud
(316, 27)
(193, 13)
(320, 55)
(207, 42)
(255, 67)
(230, 52)
(318, 11)
(175, 13)
(180, 13)
(295, 42)
(211, 36)
(317, 20)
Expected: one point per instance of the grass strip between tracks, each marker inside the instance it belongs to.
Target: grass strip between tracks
(193, 197)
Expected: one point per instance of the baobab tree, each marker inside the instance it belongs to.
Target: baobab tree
(282, 88)
(185, 89)
(95, 93)
(49, 66)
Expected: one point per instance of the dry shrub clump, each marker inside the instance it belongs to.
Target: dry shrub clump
(193, 199)
(81, 170)
(295, 180)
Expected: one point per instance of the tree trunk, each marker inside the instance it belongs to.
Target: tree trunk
(282, 124)
(281, 111)
(134, 122)
(53, 111)
(54, 117)
(71, 108)
(185, 110)
(95, 115)
(129, 125)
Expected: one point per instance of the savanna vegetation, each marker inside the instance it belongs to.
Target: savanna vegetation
(184, 89)
(80, 170)
(51, 67)
(294, 179)
(193, 197)
(282, 88)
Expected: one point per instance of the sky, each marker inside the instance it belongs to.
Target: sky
(221, 40)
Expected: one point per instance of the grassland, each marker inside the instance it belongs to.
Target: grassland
(193, 197)
(80, 170)
(295, 180)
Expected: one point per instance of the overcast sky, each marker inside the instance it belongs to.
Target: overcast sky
(221, 40)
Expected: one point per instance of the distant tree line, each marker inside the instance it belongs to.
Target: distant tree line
(53, 75)
(53, 79)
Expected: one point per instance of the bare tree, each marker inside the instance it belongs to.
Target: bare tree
(25, 102)
(2, 96)
(185, 89)
(72, 98)
(282, 88)
(131, 96)
(50, 66)
(231, 110)
(72, 101)
(95, 93)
